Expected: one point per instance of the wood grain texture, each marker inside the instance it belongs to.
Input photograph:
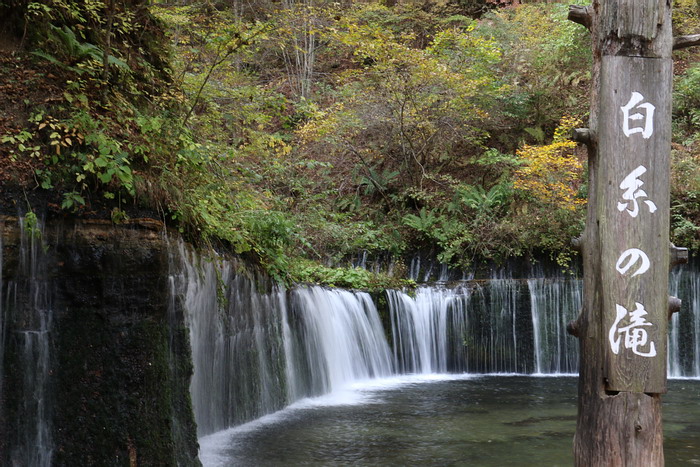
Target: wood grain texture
(623, 431)
(620, 155)
(631, 18)
(683, 42)
(615, 428)
(634, 27)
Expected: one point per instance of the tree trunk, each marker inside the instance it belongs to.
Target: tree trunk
(625, 247)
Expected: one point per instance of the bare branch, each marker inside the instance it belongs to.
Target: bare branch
(581, 135)
(677, 256)
(573, 328)
(577, 243)
(682, 42)
(581, 15)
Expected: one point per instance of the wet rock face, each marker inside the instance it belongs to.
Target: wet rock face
(115, 387)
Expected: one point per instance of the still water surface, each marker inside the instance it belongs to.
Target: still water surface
(439, 421)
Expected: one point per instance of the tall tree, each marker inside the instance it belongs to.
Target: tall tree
(625, 247)
(303, 20)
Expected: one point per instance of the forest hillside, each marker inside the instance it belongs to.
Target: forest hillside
(303, 133)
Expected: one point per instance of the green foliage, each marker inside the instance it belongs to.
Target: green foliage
(546, 64)
(685, 194)
(685, 162)
(214, 205)
(72, 200)
(118, 216)
(305, 271)
(377, 181)
(116, 46)
(31, 224)
(686, 99)
(424, 223)
(685, 230)
(407, 112)
(686, 14)
(384, 155)
(20, 144)
(485, 203)
(79, 154)
(78, 57)
(469, 225)
(294, 131)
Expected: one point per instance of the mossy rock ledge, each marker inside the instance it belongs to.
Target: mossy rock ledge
(116, 388)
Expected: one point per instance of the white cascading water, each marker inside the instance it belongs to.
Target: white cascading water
(497, 326)
(684, 329)
(258, 348)
(338, 340)
(257, 351)
(235, 334)
(553, 304)
(499, 329)
(420, 326)
(27, 314)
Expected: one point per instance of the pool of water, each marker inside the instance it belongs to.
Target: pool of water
(439, 420)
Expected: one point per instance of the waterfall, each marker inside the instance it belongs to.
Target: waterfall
(26, 310)
(427, 328)
(553, 304)
(497, 326)
(235, 333)
(501, 328)
(684, 329)
(338, 339)
(258, 348)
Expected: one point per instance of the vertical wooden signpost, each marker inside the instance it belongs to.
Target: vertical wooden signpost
(622, 327)
(634, 146)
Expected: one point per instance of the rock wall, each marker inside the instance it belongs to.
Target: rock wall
(115, 388)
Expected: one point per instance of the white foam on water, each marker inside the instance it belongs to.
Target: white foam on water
(685, 378)
(553, 375)
(403, 380)
(214, 447)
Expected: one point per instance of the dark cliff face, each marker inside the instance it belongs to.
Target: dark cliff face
(114, 388)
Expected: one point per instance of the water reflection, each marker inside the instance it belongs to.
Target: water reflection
(485, 421)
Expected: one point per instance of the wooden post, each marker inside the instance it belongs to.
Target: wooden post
(625, 247)
(633, 214)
